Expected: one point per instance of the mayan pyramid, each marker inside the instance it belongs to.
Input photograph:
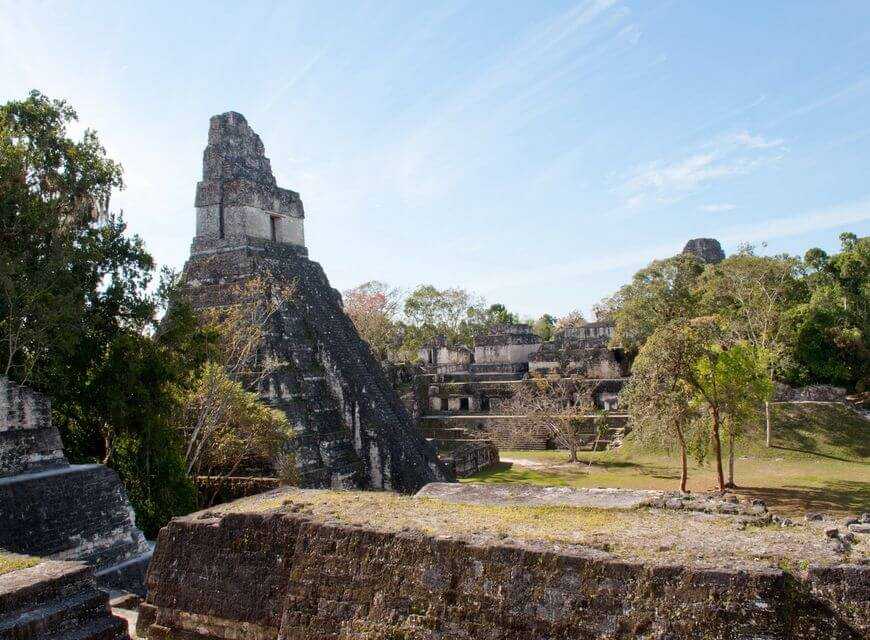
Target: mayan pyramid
(352, 431)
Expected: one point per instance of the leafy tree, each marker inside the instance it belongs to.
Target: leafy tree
(430, 312)
(544, 327)
(76, 318)
(571, 321)
(659, 400)
(373, 306)
(223, 426)
(828, 334)
(736, 380)
(754, 294)
(664, 291)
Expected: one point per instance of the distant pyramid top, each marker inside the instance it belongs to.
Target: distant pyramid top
(707, 250)
(238, 197)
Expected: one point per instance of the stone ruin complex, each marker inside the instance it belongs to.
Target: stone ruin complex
(352, 431)
(55, 510)
(461, 389)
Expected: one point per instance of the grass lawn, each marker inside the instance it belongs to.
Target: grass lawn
(10, 562)
(819, 461)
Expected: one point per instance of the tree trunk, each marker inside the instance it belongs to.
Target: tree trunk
(717, 449)
(684, 472)
(730, 483)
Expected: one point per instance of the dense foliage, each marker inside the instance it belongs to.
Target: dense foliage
(809, 315)
(77, 320)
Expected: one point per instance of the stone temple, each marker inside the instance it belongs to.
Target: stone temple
(352, 431)
(58, 511)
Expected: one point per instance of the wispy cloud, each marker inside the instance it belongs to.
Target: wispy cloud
(668, 181)
(718, 208)
(493, 284)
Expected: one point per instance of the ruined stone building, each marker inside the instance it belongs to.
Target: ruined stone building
(351, 430)
(464, 390)
(55, 510)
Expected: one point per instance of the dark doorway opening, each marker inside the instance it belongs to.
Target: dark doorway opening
(273, 228)
(443, 404)
(463, 404)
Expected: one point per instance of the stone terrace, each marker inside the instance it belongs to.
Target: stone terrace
(323, 564)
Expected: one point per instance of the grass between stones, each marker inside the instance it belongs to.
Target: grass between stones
(819, 461)
(656, 536)
(10, 562)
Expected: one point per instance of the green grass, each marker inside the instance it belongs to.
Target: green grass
(818, 462)
(10, 562)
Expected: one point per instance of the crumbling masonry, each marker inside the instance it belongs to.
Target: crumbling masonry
(351, 429)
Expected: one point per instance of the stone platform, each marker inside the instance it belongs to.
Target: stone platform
(321, 564)
(56, 601)
(51, 509)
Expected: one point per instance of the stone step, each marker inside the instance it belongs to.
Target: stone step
(55, 616)
(56, 581)
(108, 627)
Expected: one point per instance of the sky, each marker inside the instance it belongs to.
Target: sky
(537, 153)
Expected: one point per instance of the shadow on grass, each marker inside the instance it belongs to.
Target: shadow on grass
(805, 427)
(812, 451)
(839, 496)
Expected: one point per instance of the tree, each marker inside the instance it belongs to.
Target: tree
(754, 293)
(829, 334)
(544, 327)
(659, 400)
(658, 294)
(223, 425)
(556, 407)
(569, 323)
(373, 306)
(735, 378)
(77, 320)
(430, 312)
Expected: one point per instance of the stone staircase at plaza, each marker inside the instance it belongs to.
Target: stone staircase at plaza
(56, 601)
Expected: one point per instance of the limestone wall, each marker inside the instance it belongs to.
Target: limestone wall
(281, 575)
(27, 440)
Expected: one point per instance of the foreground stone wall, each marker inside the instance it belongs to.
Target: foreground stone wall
(282, 575)
(56, 601)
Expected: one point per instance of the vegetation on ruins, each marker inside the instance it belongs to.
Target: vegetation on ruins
(558, 407)
(544, 327)
(224, 426)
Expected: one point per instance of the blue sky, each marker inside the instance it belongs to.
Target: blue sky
(537, 153)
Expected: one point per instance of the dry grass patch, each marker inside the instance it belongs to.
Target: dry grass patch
(655, 536)
(10, 562)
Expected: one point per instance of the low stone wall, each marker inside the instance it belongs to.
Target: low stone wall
(56, 600)
(812, 393)
(281, 574)
(467, 459)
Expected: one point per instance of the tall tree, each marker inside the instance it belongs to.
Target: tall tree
(373, 307)
(77, 320)
(664, 291)
(754, 293)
